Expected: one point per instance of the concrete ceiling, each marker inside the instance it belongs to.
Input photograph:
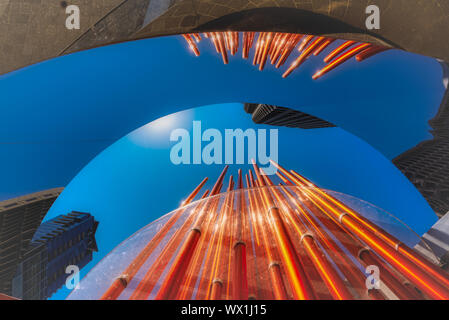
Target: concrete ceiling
(34, 30)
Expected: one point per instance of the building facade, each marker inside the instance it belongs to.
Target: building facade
(427, 164)
(281, 116)
(60, 242)
(19, 219)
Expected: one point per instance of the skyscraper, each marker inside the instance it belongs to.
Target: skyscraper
(280, 116)
(60, 242)
(19, 219)
(427, 164)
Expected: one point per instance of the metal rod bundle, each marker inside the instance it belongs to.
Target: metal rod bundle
(258, 240)
(278, 47)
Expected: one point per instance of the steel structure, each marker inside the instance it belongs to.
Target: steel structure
(277, 47)
(258, 240)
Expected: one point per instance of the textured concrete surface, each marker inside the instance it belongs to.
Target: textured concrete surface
(34, 30)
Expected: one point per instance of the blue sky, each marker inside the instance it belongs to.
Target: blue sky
(56, 116)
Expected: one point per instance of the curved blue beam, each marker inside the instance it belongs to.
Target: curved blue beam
(59, 114)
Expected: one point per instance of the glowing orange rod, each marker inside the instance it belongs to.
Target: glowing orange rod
(197, 37)
(302, 290)
(376, 233)
(266, 48)
(258, 47)
(338, 50)
(349, 269)
(145, 286)
(207, 273)
(239, 272)
(229, 242)
(431, 287)
(213, 248)
(236, 42)
(119, 284)
(368, 53)
(219, 265)
(288, 50)
(187, 287)
(283, 40)
(274, 43)
(438, 275)
(355, 248)
(252, 269)
(303, 56)
(256, 290)
(245, 43)
(179, 267)
(226, 39)
(338, 61)
(321, 48)
(330, 277)
(192, 44)
(222, 47)
(305, 42)
(388, 276)
(274, 268)
(214, 39)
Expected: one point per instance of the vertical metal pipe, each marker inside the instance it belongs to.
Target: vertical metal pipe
(239, 272)
(408, 269)
(414, 257)
(329, 276)
(219, 267)
(119, 284)
(302, 289)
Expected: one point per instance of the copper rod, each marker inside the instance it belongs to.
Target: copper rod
(178, 269)
(323, 46)
(288, 50)
(222, 47)
(279, 289)
(302, 289)
(119, 285)
(169, 287)
(280, 47)
(220, 256)
(349, 269)
(305, 42)
(338, 50)
(368, 53)
(266, 48)
(414, 274)
(192, 44)
(433, 271)
(330, 277)
(303, 56)
(341, 59)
